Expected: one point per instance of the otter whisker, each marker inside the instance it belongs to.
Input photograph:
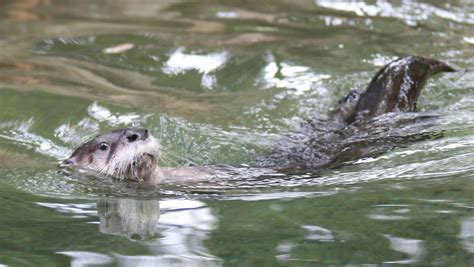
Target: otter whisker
(118, 167)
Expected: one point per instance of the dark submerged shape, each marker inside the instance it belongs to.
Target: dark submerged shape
(356, 129)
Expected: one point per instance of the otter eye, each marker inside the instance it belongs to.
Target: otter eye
(103, 146)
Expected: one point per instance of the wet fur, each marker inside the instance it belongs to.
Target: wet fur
(122, 160)
(364, 123)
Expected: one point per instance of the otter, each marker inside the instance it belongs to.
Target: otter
(132, 153)
(358, 126)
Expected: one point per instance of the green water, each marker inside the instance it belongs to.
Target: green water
(222, 82)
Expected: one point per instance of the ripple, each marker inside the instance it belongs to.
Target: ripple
(318, 233)
(390, 212)
(467, 234)
(221, 83)
(183, 226)
(101, 113)
(180, 62)
(299, 79)
(413, 248)
(410, 12)
(19, 133)
(85, 258)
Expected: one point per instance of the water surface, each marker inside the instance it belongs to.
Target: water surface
(220, 82)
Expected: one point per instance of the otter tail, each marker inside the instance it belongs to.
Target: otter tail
(395, 87)
(435, 66)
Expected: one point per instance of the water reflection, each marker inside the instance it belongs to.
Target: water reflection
(390, 212)
(411, 12)
(290, 76)
(173, 231)
(318, 233)
(413, 248)
(270, 64)
(467, 234)
(22, 133)
(30, 10)
(19, 132)
(180, 62)
(101, 113)
(135, 219)
(118, 48)
(83, 258)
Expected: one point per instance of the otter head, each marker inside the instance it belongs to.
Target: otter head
(129, 153)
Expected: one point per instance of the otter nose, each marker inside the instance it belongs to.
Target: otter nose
(136, 134)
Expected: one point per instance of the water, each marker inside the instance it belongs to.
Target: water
(222, 82)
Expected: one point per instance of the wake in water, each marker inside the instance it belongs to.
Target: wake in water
(357, 128)
(367, 122)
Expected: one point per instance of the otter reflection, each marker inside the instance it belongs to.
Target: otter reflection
(132, 218)
(173, 235)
